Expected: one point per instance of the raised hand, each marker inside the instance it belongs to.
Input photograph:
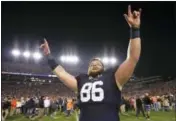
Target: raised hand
(133, 19)
(45, 47)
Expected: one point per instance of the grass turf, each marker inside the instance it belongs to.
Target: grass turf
(155, 116)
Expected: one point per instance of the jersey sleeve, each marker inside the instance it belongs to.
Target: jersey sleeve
(79, 79)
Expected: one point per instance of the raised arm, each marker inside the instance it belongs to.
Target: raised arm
(64, 76)
(126, 69)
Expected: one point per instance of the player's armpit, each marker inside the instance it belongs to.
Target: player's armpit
(66, 78)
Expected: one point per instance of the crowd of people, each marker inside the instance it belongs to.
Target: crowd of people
(37, 107)
(157, 95)
(159, 87)
(33, 89)
(146, 102)
(36, 99)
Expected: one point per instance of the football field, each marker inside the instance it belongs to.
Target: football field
(155, 116)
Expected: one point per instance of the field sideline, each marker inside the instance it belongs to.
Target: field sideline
(155, 116)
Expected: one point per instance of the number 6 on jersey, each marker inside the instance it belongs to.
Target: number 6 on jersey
(89, 91)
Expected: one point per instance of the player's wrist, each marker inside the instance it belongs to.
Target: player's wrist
(51, 61)
(134, 32)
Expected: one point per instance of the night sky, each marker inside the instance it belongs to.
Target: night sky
(91, 29)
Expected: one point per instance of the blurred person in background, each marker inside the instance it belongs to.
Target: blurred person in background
(147, 105)
(22, 104)
(46, 105)
(171, 101)
(127, 104)
(69, 106)
(32, 106)
(159, 102)
(155, 103)
(133, 104)
(166, 104)
(26, 106)
(65, 105)
(53, 107)
(139, 106)
(40, 109)
(13, 106)
(60, 101)
(5, 108)
(18, 107)
(122, 107)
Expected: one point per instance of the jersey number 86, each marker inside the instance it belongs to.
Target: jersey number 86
(89, 90)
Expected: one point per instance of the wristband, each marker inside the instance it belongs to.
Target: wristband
(134, 33)
(51, 62)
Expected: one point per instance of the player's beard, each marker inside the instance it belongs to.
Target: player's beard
(95, 73)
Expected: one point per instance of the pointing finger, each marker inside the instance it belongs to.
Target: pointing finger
(42, 45)
(140, 11)
(129, 10)
(45, 41)
(126, 18)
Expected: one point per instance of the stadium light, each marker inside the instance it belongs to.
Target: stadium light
(16, 52)
(109, 60)
(75, 59)
(26, 54)
(37, 56)
(62, 58)
(69, 59)
(113, 60)
(105, 60)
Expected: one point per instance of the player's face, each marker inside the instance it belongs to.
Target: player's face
(95, 68)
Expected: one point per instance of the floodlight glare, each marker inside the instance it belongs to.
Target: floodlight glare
(74, 59)
(113, 60)
(62, 58)
(26, 54)
(16, 52)
(37, 56)
(105, 60)
(69, 59)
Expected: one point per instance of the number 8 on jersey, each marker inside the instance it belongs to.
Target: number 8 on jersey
(89, 90)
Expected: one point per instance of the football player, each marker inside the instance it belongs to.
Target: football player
(99, 91)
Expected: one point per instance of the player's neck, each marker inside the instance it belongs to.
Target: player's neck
(94, 77)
